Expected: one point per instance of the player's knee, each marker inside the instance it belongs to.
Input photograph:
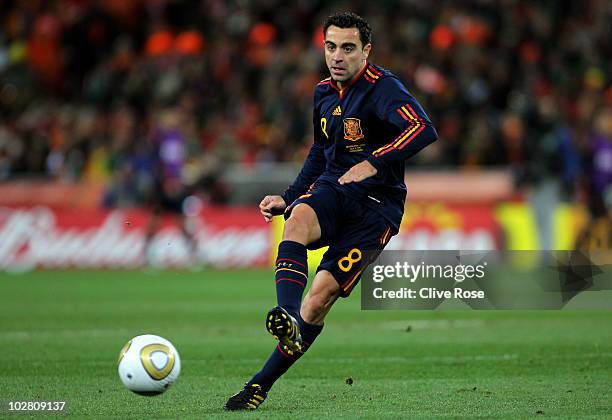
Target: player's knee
(302, 226)
(295, 230)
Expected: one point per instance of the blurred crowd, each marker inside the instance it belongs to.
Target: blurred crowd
(87, 86)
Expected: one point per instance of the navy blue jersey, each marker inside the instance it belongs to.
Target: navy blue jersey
(373, 118)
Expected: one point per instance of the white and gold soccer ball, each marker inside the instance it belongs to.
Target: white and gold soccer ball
(148, 365)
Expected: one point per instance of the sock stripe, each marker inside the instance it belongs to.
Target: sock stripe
(283, 353)
(291, 269)
(293, 261)
(293, 280)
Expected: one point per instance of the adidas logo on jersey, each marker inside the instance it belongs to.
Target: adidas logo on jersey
(337, 111)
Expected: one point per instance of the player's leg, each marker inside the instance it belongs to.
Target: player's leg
(283, 321)
(317, 303)
(187, 232)
(150, 231)
(291, 276)
(302, 228)
(313, 220)
(310, 220)
(320, 298)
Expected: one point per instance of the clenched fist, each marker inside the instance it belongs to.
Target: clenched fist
(272, 205)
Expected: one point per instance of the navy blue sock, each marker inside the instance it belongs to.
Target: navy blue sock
(309, 333)
(279, 362)
(291, 276)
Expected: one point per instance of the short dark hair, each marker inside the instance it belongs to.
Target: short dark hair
(350, 20)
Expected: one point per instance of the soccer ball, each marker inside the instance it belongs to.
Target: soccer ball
(148, 365)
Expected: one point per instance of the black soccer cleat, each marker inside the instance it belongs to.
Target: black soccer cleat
(248, 398)
(285, 329)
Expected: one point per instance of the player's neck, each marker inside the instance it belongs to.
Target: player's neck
(344, 84)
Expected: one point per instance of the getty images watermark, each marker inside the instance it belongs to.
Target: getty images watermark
(487, 280)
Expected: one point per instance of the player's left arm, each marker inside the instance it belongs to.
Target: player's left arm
(397, 106)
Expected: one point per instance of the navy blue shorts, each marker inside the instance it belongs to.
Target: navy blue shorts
(354, 233)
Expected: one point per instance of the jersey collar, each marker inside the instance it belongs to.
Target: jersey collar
(354, 80)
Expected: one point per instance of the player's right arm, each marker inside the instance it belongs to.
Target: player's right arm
(313, 167)
(274, 205)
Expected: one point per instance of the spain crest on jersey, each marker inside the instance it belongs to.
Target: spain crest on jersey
(352, 129)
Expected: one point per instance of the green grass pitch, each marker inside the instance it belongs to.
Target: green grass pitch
(61, 332)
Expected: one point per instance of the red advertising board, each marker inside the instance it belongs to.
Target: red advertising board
(54, 238)
(42, 237)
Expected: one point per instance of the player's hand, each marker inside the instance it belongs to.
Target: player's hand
(272, 205)
(358, 173)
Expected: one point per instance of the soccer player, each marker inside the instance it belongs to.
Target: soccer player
(349, 194)
(169, 187)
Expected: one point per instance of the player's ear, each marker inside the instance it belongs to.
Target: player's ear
(366, 50)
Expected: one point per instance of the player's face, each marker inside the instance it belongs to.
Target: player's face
(344, 54)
